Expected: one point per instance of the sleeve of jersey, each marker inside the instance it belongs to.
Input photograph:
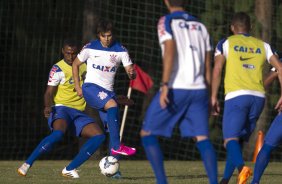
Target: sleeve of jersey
(125, 59)
(209, 45)
(164, 30)
(83, 55)
(221, 45)
(268, 51)
(55, 76)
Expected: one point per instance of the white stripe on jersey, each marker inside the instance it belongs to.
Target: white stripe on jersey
(193, 40)
(102, 63)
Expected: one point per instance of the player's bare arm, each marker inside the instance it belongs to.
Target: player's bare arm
(274, 61)
(168, 59)
(216, 78)
(208, 69)
(271, 76)
(75, 74)
(130, 72)
(48, 100)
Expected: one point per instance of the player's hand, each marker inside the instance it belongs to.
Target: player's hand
(47, 111)
(215, 107)
(131, 73)
(164, 96)
(278, 106)
(79, 91)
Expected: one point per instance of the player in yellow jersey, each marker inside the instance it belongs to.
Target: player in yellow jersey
(243, 56)
(64, 110)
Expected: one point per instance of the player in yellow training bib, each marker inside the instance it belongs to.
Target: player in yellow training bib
(63, 108)
(243, 56)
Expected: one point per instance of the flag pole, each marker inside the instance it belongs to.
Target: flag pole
(124, 114)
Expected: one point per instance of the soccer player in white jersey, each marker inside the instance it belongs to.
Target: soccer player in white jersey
(243, 57)
(63, 108)
(103, 57)
(183, 97)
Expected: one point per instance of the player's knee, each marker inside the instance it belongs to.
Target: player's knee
(57, 135)
(111, 103)
(229, 139)
(200, 138)
(144, 133)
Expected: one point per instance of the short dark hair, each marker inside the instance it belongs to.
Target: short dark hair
(176, 2)
(241, 19)
(70, 42)
(105, 26)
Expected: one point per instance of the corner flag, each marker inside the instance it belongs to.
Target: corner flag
(142, 82)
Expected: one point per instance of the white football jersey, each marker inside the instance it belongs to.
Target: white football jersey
(102, 63)
(192, 41)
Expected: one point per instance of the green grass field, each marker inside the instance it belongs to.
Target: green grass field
(134, 172)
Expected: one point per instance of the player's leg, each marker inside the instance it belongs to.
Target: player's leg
(240, 115)
(114, 130)
(262, 161)
(59, 127)
(272, 140)
(229, 168)
(105, 101)
(196, 124)
(103, 117)
(160, 122)
(150, 142)
(84, 127)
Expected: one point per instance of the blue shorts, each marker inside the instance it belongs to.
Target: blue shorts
(240, 116)
(189, 108)
(274, 133)
(76, 119)
(96, 96)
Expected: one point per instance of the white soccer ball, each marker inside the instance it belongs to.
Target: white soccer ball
(109, 166)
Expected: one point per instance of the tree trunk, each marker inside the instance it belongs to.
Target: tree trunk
(90, 21)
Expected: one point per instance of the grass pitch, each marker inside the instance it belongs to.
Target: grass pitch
(133, 172)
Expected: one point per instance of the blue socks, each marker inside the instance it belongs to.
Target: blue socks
(110, 152)
(234, 153)
(262, 162)
(113, 126)
(86, 151)
(155, 156)
(228, 170)
(208, 156)
(45, 145)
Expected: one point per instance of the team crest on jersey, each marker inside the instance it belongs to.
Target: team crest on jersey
(102, 95)
(113, 58)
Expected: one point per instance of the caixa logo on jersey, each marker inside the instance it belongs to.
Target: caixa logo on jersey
(245, 49)
(185, 25)
(105, 68)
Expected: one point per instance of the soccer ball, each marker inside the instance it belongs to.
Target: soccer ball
(109, 166)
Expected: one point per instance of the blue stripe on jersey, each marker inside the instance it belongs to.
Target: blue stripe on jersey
(220, 45)
(55, 69)
(115, 47)
(177, 15)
